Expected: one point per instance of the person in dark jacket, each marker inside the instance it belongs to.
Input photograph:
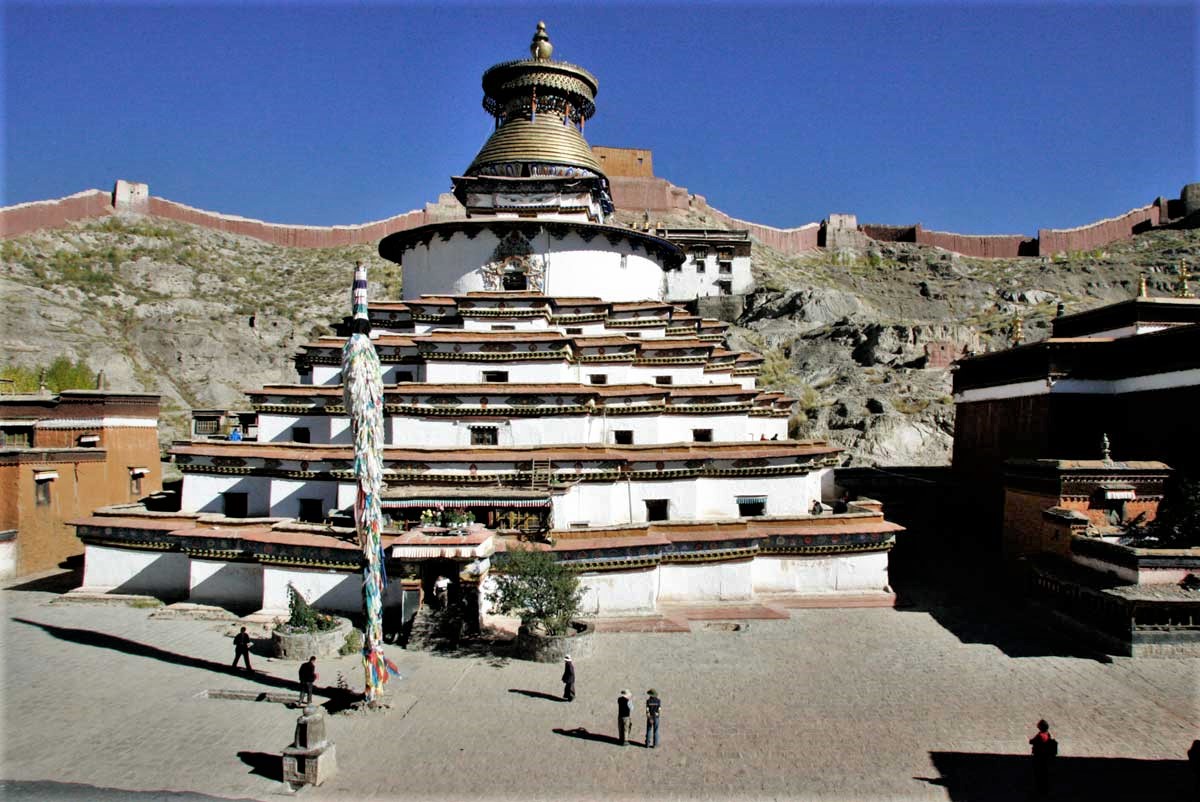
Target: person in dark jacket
(308, 678)
(1044, 749)
(624, 723)
(241, 649)
(653, 708)
(568, 679)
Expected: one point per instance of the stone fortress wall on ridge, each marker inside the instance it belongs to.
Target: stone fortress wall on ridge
(634, 187)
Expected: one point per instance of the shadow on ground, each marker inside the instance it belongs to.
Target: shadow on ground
(549, 697)
(59, 583)
(582, 732)
(977, 777)
(339, 698)
(52, 791)
(264, 764)
(981, 608)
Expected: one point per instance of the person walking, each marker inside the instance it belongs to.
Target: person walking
(308, 678)
(241, 649)
(568, 679)
(653, 708)
(1045, 749)
(624, 723)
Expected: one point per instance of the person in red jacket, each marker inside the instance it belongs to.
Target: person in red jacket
(1045, 749)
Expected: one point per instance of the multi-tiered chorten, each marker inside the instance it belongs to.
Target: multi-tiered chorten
(538, 386)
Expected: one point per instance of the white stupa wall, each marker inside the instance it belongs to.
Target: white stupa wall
(573, 267)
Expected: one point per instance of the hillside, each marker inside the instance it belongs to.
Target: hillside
(199, 316)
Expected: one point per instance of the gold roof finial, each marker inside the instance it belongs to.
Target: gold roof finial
(540, 48)
(1018, 333)
(1105, 451)
(1184, 290)
(1142, 290)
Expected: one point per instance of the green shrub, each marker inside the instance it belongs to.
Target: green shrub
(539, 589)
(303, 618)
(353, 644)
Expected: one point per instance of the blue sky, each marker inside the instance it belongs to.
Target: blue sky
(968, 117)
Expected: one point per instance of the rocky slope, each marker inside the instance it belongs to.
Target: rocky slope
(199, 316)
(195, 315)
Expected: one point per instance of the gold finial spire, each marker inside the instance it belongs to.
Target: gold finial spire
(540, 48)
(1142, 291)
(1184, 291)
(1105, 451)
(1018, 333)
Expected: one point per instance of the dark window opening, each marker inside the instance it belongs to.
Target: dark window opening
(514, 280)
(657, 508)
(702, 435)
(301, 434)
(663, 380)
(16, 437)
(312, 510)
(237, 505)
(42, 494)
(598, 378)
(495, 376)
(574, 330)
(724, 288)
(485, 436)
(503, 327)
(89, 441)
(135, 485)
(623, 437)
(750, 508)
(406, 376)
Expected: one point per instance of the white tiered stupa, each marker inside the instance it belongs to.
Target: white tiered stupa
(540, 386)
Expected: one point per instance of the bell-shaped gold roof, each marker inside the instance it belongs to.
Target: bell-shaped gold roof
(542, 140)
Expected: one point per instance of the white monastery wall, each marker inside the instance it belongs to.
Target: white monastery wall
(691, 582)
(130, 571)
(202, 493)
(688, 283)
(617, 592)
(845, 572)
(286, 495)
(450, 372)
(326, 589)
(221, 582)
(8, 558)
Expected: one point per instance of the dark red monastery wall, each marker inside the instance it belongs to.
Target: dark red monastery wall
(1098, 234)
(27, 217)
(983, 246)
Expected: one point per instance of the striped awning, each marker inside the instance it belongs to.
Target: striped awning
(1115, 494)
(751, 499)
(44, 476)
(483, 501)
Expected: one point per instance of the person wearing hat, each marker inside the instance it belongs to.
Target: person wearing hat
(568, 679)
(653, 706)
(624, 724)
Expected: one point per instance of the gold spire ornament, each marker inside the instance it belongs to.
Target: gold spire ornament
(540, 48)
(1018, 333)
(1142, 291)
(1105, 450)
(1184, 290)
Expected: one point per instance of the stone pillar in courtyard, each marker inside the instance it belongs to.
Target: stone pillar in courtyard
(311, 759)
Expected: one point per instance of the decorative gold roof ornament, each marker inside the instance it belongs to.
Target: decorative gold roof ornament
(540, 48)
(1105, 451)
(1018, 333)
(1184, 290)
(1142, 290)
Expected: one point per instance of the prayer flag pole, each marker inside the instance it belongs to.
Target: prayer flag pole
(362, 393)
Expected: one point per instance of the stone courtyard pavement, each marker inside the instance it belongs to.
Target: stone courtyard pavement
(932, 701)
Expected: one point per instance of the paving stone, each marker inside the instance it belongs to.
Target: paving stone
(825, 704)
